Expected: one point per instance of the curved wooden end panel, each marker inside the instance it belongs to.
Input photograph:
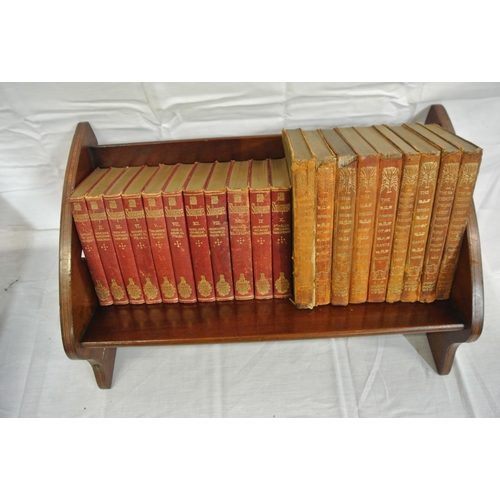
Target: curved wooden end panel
(467, 292)
(77, 298)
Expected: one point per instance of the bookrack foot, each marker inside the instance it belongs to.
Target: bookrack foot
(443, 347)
(103, 363)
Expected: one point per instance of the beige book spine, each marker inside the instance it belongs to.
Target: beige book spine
(443, 203)
(343, 236)
(467, 177)
(402, 229)
(390, 178)
(325, 187)
(366, 203)
(426, 189)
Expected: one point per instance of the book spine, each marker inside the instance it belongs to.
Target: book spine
(123, 246)
(179, 246)
(102, 233)
(241, 243)
(462, 204)
(366, 204)
(345, 211)
(281, 233)
(138, 230)
(218, 235)
(390, 177)
(402, 229)
(194, 205)
(325, 187)
(160, 247)
(89, 245)
(303, 176)
(422, 212)
(443, 204)
(262, 256)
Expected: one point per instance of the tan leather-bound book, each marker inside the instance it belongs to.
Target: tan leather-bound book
(426, 189)
(115, 211)
(139, 236)
(86, 235)
(218, 230)
(158, 237)
(281, 230)
(344, 216)
(196, 219)
(238, 201)
(366, 209)
(391, 161)
(102, 232)
(173, 206)
(451, 157)
(404, 216)
(467, 176)
(302, 165)
(326, 166)
(260, 225)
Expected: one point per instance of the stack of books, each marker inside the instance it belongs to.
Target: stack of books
(378, 212)
(187, 232)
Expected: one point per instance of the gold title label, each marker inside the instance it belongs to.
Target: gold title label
(154, 214)
(260, 209)
(134, 214)
(280, 207)
(97, 217)
(174, 212)
(195, 212)
(238, 209)
(216, 211)
(116, 215)
(81, 217)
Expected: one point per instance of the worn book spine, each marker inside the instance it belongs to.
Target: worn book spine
(160, 247)
(138, 230)
(102, 233)
(91, 251)
(281, 233)
(389, 184)
(462, 204)
(218, 235)
(194, 205)
(179, 246)
(366, 205)
(325, 187)
(443, 203)
(123, 246)
(343, 232)
(422, 212)
(402, 229)
(241, 243)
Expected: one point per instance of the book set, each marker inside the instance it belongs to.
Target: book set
(350, 215)
(187, 232)
(379, 212)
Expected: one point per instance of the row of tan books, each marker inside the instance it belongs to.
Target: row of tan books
(379, 212)
(187, 232)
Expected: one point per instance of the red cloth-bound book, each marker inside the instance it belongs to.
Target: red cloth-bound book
(218, 230)
(239, 230)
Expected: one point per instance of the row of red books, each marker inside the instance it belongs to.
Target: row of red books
(187, 232)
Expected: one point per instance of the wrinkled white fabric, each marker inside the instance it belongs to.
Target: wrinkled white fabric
(385, 376)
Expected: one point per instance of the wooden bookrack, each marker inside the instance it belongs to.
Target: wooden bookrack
(93, 333)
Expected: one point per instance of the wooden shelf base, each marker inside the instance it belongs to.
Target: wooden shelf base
(91, 332)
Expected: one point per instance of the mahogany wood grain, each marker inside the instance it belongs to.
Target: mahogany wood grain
(93, 332)
(467, 293)
(77, 299)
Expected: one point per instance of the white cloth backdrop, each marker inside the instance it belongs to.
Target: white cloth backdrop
(357, 377)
